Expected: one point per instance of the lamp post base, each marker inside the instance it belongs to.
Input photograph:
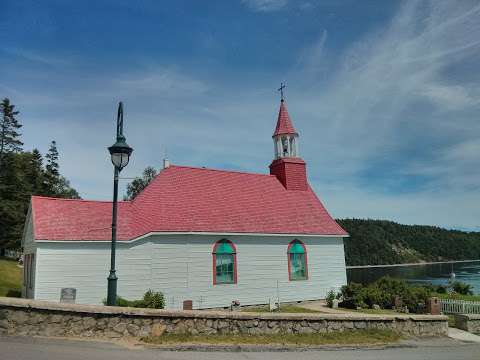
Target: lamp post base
(112, 289)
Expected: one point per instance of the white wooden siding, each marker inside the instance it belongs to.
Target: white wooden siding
(181, 267)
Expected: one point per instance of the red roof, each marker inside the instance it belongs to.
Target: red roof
(284, 124)
(186, 199)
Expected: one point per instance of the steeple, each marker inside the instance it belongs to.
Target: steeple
(285, 137)
(287, 165)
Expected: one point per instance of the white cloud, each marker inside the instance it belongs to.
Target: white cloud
(265, 5)
(36, 57)
(450, 97)
(162, 82)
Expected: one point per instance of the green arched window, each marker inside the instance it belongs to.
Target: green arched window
(297, 261)
(224, 263)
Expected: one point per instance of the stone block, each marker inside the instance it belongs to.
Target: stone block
(120, 328)
(157, 329)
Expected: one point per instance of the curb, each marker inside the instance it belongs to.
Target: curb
(271, 348)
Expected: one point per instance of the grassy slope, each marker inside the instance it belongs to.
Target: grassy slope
(283, 309)
(10, 277)
(340, 338)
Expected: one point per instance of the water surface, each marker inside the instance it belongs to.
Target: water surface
(468, 272)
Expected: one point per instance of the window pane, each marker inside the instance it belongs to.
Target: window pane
(224, 247)
(297, 267)
(224, 268)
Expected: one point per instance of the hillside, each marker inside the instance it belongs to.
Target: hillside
(375, 242)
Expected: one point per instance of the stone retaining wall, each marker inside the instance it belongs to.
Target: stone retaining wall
(468, 322)
(38, 318)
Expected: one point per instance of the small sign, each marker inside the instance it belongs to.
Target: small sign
(68, 295)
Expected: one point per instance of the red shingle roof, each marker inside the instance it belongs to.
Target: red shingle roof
(284, 124)
(186, 199)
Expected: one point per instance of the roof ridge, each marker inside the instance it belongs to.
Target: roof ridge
(220, 170)
(78, 200)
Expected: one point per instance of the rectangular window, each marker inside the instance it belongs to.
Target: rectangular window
(297, 267)
(224, 269)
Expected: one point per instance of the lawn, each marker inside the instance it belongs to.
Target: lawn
(352, 337)
(283, 309)
(10, 278)
(373, 311)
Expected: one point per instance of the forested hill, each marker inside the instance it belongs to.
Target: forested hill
(375, 242)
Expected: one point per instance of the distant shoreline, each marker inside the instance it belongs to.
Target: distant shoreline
(410, 264)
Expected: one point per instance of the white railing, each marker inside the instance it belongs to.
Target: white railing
(450, 306)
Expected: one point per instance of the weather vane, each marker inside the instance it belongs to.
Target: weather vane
(282, 86)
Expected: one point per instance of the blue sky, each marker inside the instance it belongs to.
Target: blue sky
(385, 94)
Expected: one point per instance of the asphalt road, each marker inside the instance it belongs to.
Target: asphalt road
(23, 348)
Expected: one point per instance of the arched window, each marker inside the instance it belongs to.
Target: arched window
(297, 261)
(292, 146)
(285, 146)
(224, 263)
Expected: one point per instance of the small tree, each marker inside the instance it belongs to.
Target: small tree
(140, 183)
(52, 172)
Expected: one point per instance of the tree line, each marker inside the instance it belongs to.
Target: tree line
(22, 174)
(377, 242)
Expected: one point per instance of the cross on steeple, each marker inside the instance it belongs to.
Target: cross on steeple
(282, 86)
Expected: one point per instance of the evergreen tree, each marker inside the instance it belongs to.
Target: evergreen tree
(52, 172)
(34, 173)
(13, 200)
(140, 183)
(9, 126)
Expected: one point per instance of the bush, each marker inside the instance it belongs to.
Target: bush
(330, 297)
(383, 293)
(152, 300)
(462, 288)
(352, 295)
(440, 289)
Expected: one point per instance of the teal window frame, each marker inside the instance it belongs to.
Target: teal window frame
(224, 263)
(297, 261)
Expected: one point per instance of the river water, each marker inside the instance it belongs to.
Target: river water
(468, 272)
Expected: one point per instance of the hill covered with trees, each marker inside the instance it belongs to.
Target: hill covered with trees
(376, 242)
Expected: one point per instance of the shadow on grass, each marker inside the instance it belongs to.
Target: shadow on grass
(14, 293)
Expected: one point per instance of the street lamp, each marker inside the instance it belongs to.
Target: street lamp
(120, 155)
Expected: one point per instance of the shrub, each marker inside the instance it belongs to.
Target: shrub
(383, 293)
(440, 289)
(462, 288)
(351, 295)
(151, 299)
(330, 297)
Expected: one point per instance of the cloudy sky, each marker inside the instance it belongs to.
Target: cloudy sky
(385, 94)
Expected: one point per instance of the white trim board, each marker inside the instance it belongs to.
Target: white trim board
(163, 233)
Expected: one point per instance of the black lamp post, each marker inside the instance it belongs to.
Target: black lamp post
(120, 155)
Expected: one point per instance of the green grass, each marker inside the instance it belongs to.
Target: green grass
(451, 320)
(351, 337)
(10, 278)
(458, 297)
(374, 311)
(283, 309)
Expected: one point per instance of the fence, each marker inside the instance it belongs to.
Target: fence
(450, 306)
